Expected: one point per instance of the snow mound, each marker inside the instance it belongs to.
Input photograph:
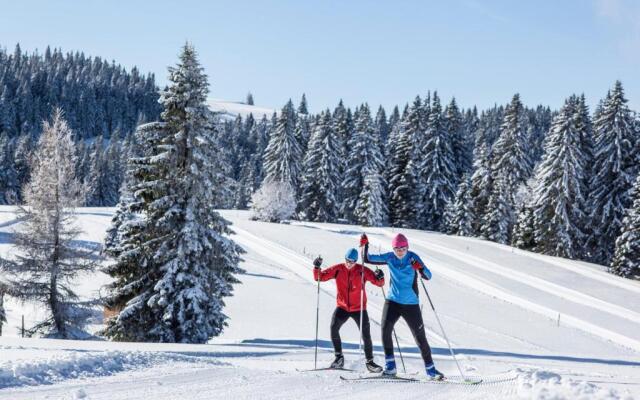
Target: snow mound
(545, 385)
(74, 365)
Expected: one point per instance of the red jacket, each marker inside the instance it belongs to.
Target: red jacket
(348, 283)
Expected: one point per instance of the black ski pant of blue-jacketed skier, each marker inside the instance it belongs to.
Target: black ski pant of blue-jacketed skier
(413, 316)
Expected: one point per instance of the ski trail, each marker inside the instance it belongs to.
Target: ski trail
(482, 285)
(479, 284)
(540, 284)
(588, 272)
(295, 263)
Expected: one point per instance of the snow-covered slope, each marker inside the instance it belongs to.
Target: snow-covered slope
(533, 326)
(230, 109)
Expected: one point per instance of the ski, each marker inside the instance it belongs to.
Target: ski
(402, 379)
(327, 369)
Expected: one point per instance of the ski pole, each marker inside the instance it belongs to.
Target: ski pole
(442, 329)
(361, 306)
(315, 360)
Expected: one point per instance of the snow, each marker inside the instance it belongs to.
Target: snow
(499, 307)
(231, 110)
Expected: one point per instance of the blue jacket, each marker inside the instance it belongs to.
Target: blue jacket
(404, 279)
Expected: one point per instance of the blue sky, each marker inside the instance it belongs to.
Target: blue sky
(385, 53)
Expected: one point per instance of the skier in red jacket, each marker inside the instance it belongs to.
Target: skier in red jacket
(348, 276)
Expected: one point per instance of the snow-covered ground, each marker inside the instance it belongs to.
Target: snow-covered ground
(534, 327)
(231, 110)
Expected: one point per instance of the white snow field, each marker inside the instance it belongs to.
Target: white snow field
(534, 327)
(230, 110)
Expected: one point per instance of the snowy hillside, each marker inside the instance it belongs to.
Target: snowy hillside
(231, 110)
(534, 327)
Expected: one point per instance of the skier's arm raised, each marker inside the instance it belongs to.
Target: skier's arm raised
(375, 259)
(325, 275)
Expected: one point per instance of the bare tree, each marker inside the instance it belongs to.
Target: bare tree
(48, 256)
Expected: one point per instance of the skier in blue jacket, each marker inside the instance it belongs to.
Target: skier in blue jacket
(402, 300)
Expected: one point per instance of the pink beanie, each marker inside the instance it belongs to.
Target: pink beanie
(400, 241)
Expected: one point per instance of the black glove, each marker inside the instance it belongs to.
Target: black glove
(317, 262)
(379, 274)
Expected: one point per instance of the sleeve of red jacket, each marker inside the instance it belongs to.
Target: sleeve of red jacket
(370, 276)
(325, 275)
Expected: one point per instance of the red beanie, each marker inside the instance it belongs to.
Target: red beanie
(400, 241)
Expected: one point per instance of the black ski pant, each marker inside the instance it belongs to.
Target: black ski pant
(340, 316)
(413, 317)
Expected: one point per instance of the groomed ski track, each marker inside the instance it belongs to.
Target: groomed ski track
(503, 328)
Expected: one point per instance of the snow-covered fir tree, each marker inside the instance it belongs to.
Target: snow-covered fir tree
(343, 130)
(511, 163)
(382, 126)
(372, 206)
(462, 150)
(9, 184)
(626, 259)
(436, 174)
(249, 100)
(524, 228)
(363, 157)
(320, 176)
(510, 154)
(179, 288)
(615, 167)
(302, 132)
(401, 187)
(496, 223)
(460, 214)
(283, 155)
(302, 107)
(481, 179)
(560, 206)
(47, 259)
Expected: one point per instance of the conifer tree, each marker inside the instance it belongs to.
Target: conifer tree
(615, 167)
(320, 178)
(302, 107)
(626, 259)
(363, 157)
(401, 181)
(560, 194)
(436, 173)
(190, 261)
(460, 214)
(283, 155)
(496, 223)
(454, 126)
(47, 259)
(524, 229)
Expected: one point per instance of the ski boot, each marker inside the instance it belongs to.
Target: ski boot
(338, 363)
(389, 366)
(433, 373)
(373, 367)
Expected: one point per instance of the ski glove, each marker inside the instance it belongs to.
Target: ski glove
(415, 264)
(379, 274)
(364, 240)
(317, 262)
